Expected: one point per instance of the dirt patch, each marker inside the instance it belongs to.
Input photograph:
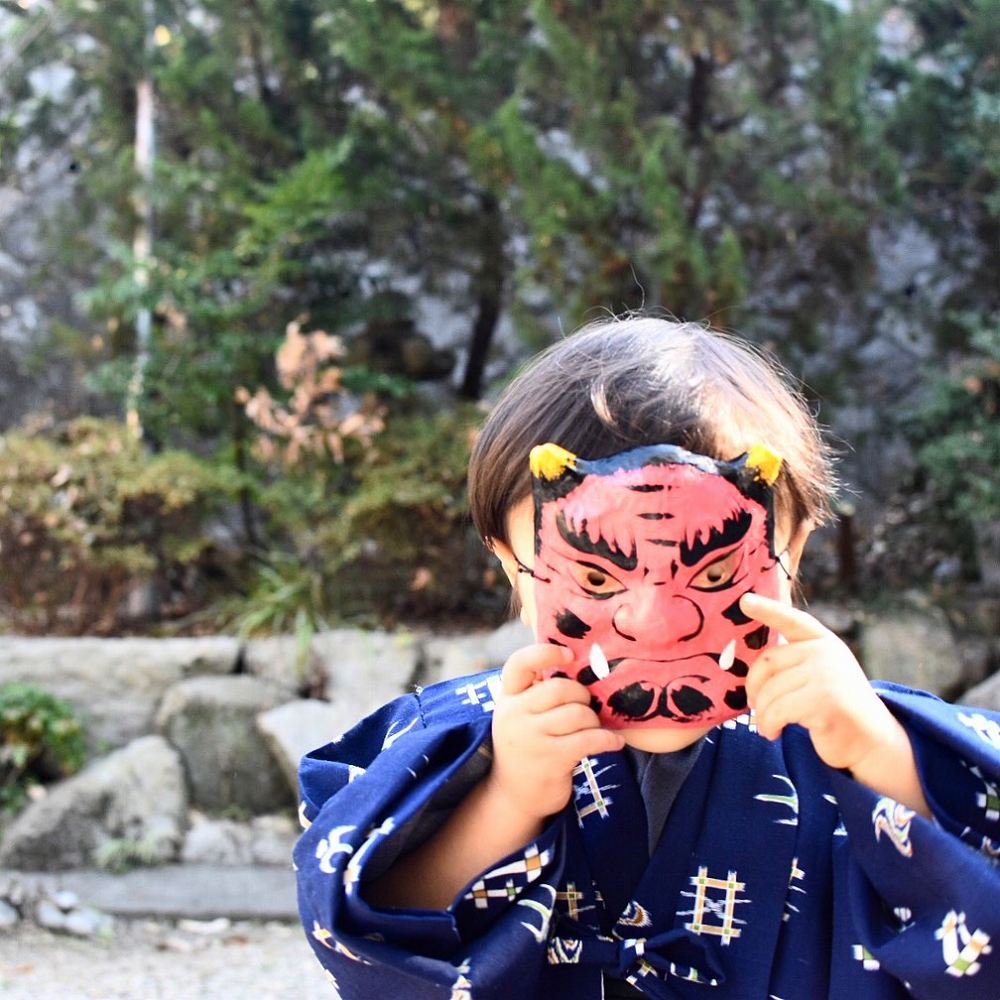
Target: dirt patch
(154, 960)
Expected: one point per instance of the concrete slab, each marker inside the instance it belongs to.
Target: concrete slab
(201, 892)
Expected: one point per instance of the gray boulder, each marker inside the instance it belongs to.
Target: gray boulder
(363, 670)
(984, 695)
(114, 684)
(9, 916)
(447, 657)
(293, 729)
(281, 661)
(135, 795)
(216, 842)
(273, 839)
(506, 639)
(212, 721)
(266, 840)
(835, 617)
(913, 646)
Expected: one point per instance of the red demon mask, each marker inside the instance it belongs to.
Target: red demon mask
(640, 563)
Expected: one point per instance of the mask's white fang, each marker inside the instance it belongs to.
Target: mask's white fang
(599, 662)
(728, 655)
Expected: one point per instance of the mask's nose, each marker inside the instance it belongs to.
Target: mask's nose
(647, 618)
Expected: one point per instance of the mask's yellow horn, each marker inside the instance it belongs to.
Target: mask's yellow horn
(549, 461)
(765, 462)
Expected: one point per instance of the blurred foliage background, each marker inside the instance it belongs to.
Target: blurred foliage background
(366, 212)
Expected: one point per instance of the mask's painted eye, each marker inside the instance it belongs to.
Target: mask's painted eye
(595, 581)
(718, 575)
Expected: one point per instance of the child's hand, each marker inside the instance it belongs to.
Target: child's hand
(815, 681)
(541, 731)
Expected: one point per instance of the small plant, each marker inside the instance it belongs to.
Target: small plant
(955, 434)
(40, 740)
(122, 854)
(286, 597)
(318, 420)
(961, 453)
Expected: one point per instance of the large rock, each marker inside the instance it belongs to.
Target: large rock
(984, 695)
(293, 729)
(836, 617)
(136, 795)
(281, 660)
(212, 721)
(913, 646)
(446, 657)
(266, 840)
(115, 685)
(363, 670)
(508, 638)
(450, 656)
(977, 609)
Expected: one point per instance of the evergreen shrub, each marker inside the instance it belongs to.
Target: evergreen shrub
(86, 514)
(40, 740)
(383, 538)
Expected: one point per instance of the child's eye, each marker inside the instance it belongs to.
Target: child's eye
(596, 581)
(719, 574)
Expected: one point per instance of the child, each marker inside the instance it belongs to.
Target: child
(487, 837)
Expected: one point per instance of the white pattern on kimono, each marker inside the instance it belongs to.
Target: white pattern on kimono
(461, 989)
(989, 799)
(954, 932)
(591, 787)
(868, 961)
(352, 873)
(328, 848)
(541, 932)
(393, 734)
(790, 800)
(482, 693)
(988, 730)
(893, 819)
(721, 909)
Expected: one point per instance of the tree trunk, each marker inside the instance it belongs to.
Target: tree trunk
(489, 284)
(698, 94)
(250, 536)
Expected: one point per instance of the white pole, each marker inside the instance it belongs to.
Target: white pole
(142, 243)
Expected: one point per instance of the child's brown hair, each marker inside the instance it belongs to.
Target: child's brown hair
(631, 381)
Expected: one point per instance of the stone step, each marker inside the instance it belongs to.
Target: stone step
(199, 892)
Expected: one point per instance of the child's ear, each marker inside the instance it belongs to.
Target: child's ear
(797, 544)
(505, 554)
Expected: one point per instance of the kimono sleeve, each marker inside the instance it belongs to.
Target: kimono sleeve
(923, 893)
(375, 794)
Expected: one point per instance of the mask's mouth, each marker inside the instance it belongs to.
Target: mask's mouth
(683, 699)
(600, 667)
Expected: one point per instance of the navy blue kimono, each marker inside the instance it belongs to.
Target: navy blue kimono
(775, 876)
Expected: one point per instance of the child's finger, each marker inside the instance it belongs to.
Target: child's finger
(569, 718)
(528, 665)
(774, 661)
(547, 694)
(792, 707)
(777, 686)
(793, 623)
(587, 742)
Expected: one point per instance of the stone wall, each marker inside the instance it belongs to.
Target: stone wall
(195, 742)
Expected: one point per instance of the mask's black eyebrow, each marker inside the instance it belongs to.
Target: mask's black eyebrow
(580, 542)
(733, 529)
(646, 488)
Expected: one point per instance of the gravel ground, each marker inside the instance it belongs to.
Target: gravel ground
(153, 960)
